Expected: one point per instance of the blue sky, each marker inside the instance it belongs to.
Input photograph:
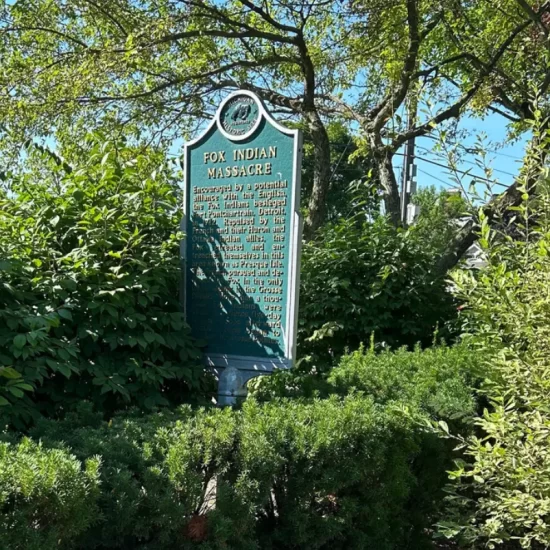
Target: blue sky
(505, 160)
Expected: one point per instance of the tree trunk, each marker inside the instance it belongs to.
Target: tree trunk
(321, 174)
(388, 181)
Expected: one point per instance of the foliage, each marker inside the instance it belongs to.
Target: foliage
(90, 271)
(364, 277)
(152, 470)
(330, 474)
(440, 214)
(501, 493)
(47, 497)
(152, 69)
(350, 471)
(438, 381)
(95, 62)
(435, 385)
(350, 185)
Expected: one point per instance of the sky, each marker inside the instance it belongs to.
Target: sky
(505, 160)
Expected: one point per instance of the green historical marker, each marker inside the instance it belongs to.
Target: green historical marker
(242, 247)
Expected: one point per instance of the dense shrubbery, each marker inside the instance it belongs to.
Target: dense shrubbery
(502, 491)
(88, 291)
(362, 277)
(47, 497)
(438, 381)
(361, 469)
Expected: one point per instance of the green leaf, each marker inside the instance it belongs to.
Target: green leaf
(9, 372)
(443, 425)
(19, 341)
(65, 313)
(15, 391)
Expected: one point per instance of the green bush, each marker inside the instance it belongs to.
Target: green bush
(436, 386)
(47, 497)
(362, 468)
(139, 502)
(364, 277)
(89, 265)
(438, 381)
(329, 474)
(336, 473)
(501, 492)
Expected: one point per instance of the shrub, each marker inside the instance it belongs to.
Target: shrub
(435, 385)
(328, 474)
(89, 258)
(343, 472)
(501, 493)
(360, 469)
(47, 497)
(140, 501)
(365, 277)
(438, 381)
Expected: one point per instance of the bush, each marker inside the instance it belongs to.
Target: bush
(329, 474)
(438, 381)
(47, 498)
(501, 493)
(435, 386)
(89, 260)
(362, 468)
(363, 277)
(336, 473)
(141, 502)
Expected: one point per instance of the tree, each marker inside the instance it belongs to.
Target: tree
(157, 67)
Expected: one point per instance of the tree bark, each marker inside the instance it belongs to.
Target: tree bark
(388, 181)
(321, 174)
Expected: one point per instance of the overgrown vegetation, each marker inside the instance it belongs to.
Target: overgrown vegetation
(349, 471)
(47, 497)
(102, 444)
(364, 276)
(88, 291)
(502, 488)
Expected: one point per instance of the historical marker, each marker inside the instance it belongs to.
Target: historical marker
(242, 225)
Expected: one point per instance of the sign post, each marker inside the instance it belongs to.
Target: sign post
(242, 246)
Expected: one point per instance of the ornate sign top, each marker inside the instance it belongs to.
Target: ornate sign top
(239, 116)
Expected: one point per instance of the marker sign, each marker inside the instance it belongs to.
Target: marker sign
(242, 228)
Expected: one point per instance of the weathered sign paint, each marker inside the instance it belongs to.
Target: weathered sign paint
(242, 228)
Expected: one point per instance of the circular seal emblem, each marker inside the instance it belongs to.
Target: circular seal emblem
(239, 115)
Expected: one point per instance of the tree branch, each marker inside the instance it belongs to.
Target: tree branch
(218, 33)
(267, 17)
(454, 110)
(109, 16)
(50, 31)
(534, 16)
(382, 112)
